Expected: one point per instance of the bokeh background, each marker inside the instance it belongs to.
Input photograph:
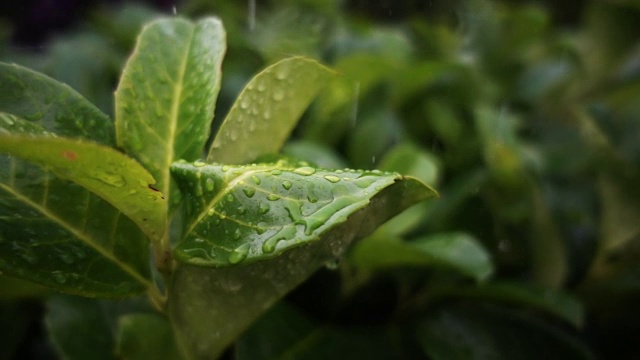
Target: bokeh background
(524, 115)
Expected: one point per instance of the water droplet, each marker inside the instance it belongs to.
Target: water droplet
(110, 178)
(242, 210)
(237, 234)
(59, 276)
(273, 197)
(269, 246)
(211, 212)
(30, 257)
(262, 227)
(223, 215)
(199, 163)
(230, 198)
(286, 184)
(249, 191)
(239, 254)
(255, 179)
(282, 74)
(332, 264)
(209, 184)
(276, 172)
(67, 258)
(305, 170)
(225, 168)
(278, 95)
(264, 208)
(244, 104)
(332, 178)
(365, 182)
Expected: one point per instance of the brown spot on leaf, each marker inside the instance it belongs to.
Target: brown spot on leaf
(71, 155)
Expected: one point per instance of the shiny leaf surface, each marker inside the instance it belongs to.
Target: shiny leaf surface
(53, 105)
(267, 110)
(113, 176)
(248, 213)
(326, 214)
(59, 234)
(166, 97)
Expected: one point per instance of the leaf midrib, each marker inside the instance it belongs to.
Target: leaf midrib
(78, 234)
(173, 119)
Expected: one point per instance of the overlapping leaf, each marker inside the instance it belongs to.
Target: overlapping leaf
(53, 231)
(267, 110)
(166, 97)
(53, 105)
(114, 177)
(248, 213)
(297, 217)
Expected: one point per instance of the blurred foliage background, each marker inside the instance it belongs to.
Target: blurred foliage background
(524, 115)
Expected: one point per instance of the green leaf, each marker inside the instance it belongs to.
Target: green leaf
(59, 234)
(247, 213)
(267, 110)
(54, 106)
(145, 336)
(487, 332)
(166, 97)
(328, 212)
(113, 176)
(455, 251)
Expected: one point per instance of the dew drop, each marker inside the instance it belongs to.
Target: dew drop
(225, 168)
(230, 198)
(30, 257)
(110, 179)
(278, 95)
(273, 197)
(264, 208)
(332, 178)
(365, 182)
(276, 172)
(255, 179)
(59, 276)
(269, 246)
(242, 210)
(199, 163)
(249, 191)
(286, 184)
(239, 254)
(67, 258)
(211, 212)
(209, 184)
(305, 170)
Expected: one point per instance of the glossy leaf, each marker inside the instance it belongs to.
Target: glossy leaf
(248, 213)
(267, 110)
(54, 106)
(145, 336)
(229, 298)
(454, 251)
(166, 97)
(113, 176)
(59, 234)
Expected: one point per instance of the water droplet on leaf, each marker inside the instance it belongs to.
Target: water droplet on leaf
(249, 191)
(305, 170)
(286, 184)
(332, 178)
(239, 254)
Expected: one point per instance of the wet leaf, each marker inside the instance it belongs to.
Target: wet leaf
(311, 223)
(248, 213)
(53, 105)
(113, 176)
(267, 110)
(59, 234)
(166, 97)
(453, 251)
